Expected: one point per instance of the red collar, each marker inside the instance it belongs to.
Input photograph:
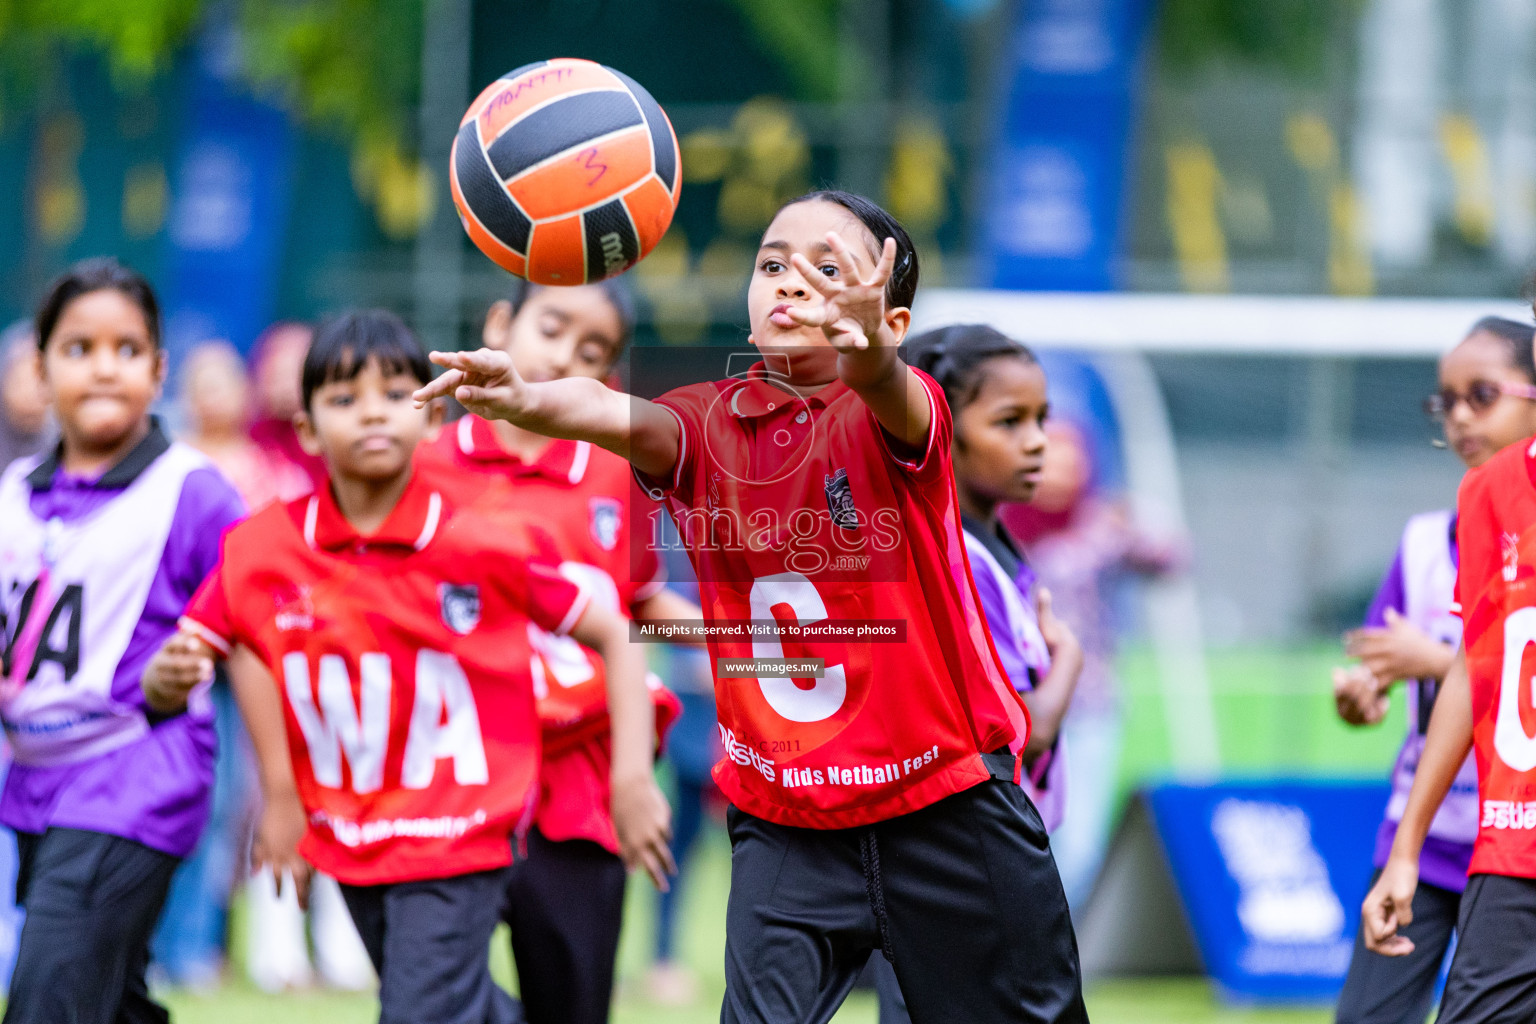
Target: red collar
(412, 524)
(754, 396)
(561, 461)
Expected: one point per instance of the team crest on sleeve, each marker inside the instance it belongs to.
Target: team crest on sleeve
(840, 501)
(603, 521)
(1510, 543)
(460, 606)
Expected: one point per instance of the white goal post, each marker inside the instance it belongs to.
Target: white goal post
(1117, 331)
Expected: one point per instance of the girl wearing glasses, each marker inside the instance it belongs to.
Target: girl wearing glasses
(1486, 402)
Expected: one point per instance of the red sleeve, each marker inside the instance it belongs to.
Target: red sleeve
(686, 407)
(934, 455)
(1477, 543)
(208, 613)
(647, 572)
(555, 603)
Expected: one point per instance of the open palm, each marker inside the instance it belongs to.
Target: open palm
(853, 307)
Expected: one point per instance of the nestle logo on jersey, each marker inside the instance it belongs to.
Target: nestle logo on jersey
(460, 607)
(294, 611)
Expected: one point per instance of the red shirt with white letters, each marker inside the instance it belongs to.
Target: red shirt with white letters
(579, 494)
(1496, 591)
(402, 658)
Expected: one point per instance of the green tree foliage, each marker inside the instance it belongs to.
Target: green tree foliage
(1289, 36)
(802, 35)
(352, 66)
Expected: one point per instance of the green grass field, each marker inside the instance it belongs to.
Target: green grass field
(1274, 715)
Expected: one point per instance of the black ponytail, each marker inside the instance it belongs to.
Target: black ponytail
(953, 356)
(901, 289)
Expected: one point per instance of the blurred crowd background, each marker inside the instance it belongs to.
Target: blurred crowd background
(264, 161)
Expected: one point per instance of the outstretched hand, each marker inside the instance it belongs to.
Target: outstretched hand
(484, 382)
(853, 311)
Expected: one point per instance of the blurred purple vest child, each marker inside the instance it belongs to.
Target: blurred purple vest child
(1419, 586)
(1005, 583)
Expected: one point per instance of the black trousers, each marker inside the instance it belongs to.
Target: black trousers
(1401, 989)
(430, 942)
(564, 905)
(962, 897)
(1493, 974)
(91, 901)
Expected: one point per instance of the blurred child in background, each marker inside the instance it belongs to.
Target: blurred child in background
(693, 748)
(1486, 402)
(1081, 546)
(276, 363)
(565, 901)
(216, 400)
(190, 942)
(105, 794)
(392, 595)
(277, 946)
(997, 394)
(24, 428)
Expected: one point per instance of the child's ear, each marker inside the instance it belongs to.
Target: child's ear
(304, 426)
(899, 320)
(162, 370)
(497, 332)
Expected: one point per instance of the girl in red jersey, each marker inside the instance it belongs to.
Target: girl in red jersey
(1411, 635)
(395, 620)
(873, 780)
(565, 900)
(1483, 706)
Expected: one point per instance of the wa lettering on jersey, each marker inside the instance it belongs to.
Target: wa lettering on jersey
(65, 624)
(402, 659)
(1496, 589)
(796, 511)
(578, 494)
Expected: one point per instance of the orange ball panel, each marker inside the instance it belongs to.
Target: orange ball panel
(481, 100)
(511, 100)
(585, 177)
(555, 253)
(651, 208)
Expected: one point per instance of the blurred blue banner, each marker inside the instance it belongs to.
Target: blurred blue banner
(230, 197)
(1053, 220)
(1271, 876)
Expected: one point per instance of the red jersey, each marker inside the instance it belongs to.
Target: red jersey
(799, 515)
(402, 659)
(1496, 590)
(579, 494)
